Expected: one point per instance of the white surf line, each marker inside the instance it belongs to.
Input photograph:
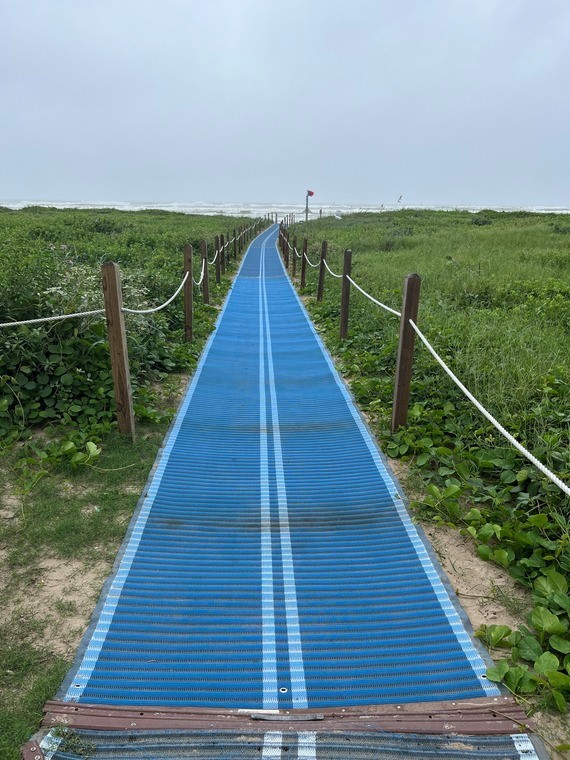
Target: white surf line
(272, 742)
(269, 649)
(307, 745)
(296, 665)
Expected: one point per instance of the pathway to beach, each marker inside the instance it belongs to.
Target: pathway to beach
(273, 597)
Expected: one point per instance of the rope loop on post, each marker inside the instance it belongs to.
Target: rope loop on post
(213, 261)
(199, 282)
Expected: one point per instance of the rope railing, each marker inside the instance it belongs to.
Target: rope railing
(504, 432)
(374, 300)
(310, 263)
(338, 276)
(408, 330)
(199, 282)
(55, 318)
(115, 311)
(154, 309)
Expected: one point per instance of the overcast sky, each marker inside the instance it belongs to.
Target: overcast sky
(442, 101)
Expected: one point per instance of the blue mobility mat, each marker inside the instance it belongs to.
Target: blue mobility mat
(306, 745)
(272, 563)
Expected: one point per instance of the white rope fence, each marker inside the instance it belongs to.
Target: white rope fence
(309, 262)
(496, 424)
(199, 282)
(57, 318)
(162, 306)
(96, 312)
(374, 300)
(537, 463)
(338, 276)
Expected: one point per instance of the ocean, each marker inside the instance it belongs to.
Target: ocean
(281, 209)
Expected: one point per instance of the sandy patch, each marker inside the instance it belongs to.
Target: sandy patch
(55, 608)
(487, 593)
(10, 503)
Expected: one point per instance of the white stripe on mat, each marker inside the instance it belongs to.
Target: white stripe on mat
(524, 747)
(269, 654)
(272, 745)
(296, 665)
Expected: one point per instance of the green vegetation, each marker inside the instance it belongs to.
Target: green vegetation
(68, 482)
(495, 303)
(50, 264)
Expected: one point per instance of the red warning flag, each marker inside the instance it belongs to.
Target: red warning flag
(310, 193)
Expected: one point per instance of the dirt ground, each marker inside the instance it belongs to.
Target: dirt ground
(58, 603)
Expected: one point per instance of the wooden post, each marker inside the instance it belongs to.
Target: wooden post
(235, 243)
(405, 356)
(206, 280)
(286, 248)
(117, 335)
(217, 262)
(222, 254)
(345, 294)
(228, 238)
(322, 270)
(304, 264)
(294, 267)
(188, 295)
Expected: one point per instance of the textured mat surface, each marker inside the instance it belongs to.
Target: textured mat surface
(296, 746)
(272, 563)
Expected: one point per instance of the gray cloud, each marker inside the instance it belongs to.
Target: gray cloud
(444, 101)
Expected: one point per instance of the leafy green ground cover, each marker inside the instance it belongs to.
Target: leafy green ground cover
(495, 303)
(59, 373)
(68, 481)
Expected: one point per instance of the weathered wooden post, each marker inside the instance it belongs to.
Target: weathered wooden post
(345, 294)
(206, 280)
(304, 264)
(228, 239)
(321, 284)
(118, 351)
(217, 257)
(405, 357)
(222, 254)
(188, 295)
(294, 254)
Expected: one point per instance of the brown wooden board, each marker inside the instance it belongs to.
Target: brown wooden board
(32, 751)
(476, 717)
